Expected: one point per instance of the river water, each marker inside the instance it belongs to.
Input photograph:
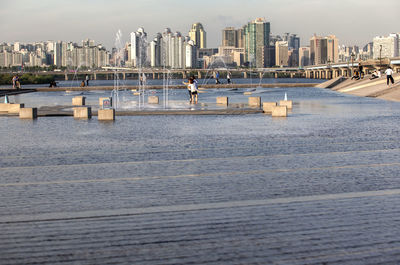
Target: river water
(318, 187)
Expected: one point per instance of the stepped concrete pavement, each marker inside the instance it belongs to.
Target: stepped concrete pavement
(203, 206)
(376, 88)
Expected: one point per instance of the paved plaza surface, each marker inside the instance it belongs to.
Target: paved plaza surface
(321, 186)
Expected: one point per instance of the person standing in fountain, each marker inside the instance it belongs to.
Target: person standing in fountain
(189, 88)
(87, 80)
(193, 90)
(195, 82)
(144, 79)
(389, 75)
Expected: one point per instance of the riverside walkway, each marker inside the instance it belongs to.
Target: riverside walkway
(376, 88)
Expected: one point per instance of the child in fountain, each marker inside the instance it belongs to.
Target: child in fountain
(193, 90)
(189, 88)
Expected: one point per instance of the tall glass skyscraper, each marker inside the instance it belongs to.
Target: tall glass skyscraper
(257, 43)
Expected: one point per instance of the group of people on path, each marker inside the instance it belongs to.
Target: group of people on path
(85, 82)
(15, 82)
(192, 89)
(376, 74)
(228, 78)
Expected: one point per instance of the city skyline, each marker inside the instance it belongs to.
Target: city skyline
(27, 21)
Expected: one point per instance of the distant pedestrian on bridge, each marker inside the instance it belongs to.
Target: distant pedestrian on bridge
(389, 75)
(87, 80)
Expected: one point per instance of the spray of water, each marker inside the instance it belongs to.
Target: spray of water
(118, 58)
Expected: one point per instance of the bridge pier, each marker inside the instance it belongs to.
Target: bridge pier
(261, 75)
(124, 75)
(66, 77)
(291, 75)
(184, 76)
(198, 74)
(94, 76)
(276, 75)
(245, 75)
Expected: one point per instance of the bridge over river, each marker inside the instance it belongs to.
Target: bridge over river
(325, 71)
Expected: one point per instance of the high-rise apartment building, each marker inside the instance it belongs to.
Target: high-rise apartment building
(386, 47)
(138, 48)
(198, 35)
(324, 50)
(60, 53)
(332, 46)
(155, 51)
(292, 40)
(229, 37)
(304, 56)
(190, 57)
(232, 37)
(281, 53)
(172, 50)
(256, 35)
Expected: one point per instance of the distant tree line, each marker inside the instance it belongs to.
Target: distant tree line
(26, 78)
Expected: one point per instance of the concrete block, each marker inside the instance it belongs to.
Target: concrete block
(268, 106)
(279, 111)
(28, 113)
(83, 113)
(254, 101)
(287, 103)
(4, 107)
(106, 114)
(223, 101)
(12, 108)
(152, 100)
(101, 101)
(78, 101)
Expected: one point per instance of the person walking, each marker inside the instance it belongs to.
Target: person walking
(389, 75)
(87, 80)
(228, 77)
(217, 78)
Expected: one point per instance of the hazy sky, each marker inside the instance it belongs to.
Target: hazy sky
(352, 21)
